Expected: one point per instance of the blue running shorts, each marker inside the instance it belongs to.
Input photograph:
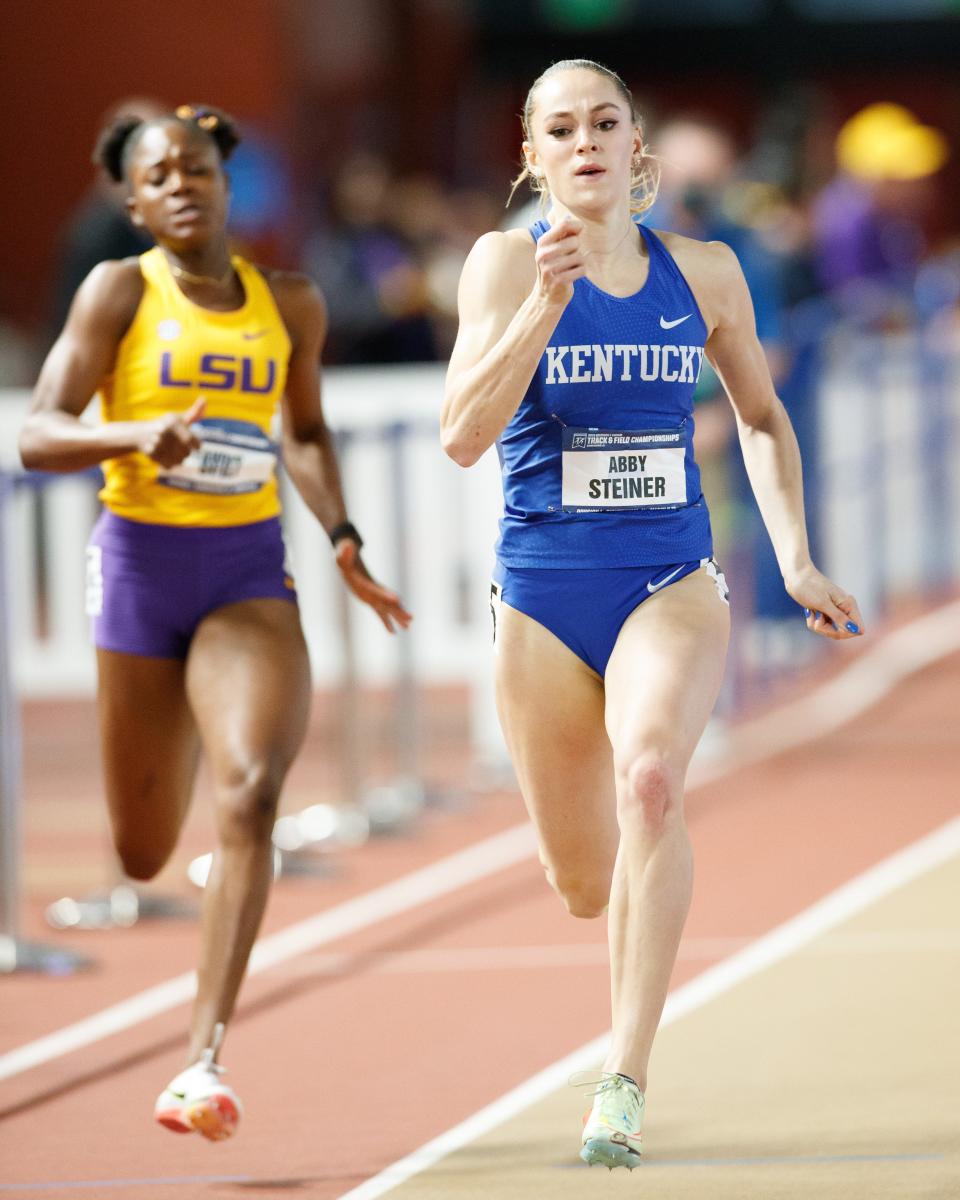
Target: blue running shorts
(586, 608)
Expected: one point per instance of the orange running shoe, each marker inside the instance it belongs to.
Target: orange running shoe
(197, 1101)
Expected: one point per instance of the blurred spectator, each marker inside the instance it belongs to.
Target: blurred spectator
(99, 228)
(441, 228)
(375, 287)
(698, 167)
(868, 221)
(262, 224)
(17, 361)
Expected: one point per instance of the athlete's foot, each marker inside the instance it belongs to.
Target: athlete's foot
(611, 1129)
(197, 1101)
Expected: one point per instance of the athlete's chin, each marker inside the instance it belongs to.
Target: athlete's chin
(185, 235)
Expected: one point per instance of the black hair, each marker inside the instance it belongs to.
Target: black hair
(118, 139)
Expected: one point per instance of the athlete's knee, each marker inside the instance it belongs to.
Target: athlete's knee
(247, 802)
(650, 790)
(140, 861)
(585, 895)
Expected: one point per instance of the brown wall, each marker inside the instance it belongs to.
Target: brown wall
(63, 63)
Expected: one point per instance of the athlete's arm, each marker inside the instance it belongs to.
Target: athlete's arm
(769, 445)
(53, 437)
(308, 451)
(510, 302)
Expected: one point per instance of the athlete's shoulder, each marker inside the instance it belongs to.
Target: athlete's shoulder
(111, 293)
(291, 287)
(300, 302)
(500, 265)
(503, 249)
(116, 273)
(704, 261)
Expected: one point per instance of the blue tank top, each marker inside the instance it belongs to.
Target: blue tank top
(597, 462)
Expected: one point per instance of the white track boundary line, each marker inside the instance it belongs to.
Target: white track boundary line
(438, 879)
(872, 676)
(853, 897)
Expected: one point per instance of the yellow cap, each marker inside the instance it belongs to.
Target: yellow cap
(886, 141)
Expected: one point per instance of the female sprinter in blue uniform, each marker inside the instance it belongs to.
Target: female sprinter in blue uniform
(579, 348)
(194, 613)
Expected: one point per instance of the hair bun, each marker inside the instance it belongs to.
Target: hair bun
(204, 117)
(213, 122)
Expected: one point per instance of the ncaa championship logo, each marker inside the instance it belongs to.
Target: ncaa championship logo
(168, 330)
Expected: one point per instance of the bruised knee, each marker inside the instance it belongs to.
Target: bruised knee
(585, 896)
(649, 792)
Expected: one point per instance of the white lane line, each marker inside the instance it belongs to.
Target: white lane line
(439, 879)
(580, 955)
(873, 675)
(98, 1184)
(853, 897)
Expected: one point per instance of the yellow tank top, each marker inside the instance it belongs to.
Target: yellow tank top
(175, 352)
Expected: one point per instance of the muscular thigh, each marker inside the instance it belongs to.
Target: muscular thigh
(551, 707)
(665, 671)
(149, 744)
(248, 681)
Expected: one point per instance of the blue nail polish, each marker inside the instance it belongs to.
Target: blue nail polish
(806, 612)
(852, 627)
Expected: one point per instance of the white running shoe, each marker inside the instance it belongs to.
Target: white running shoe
(197, 1101)
(611, 1129)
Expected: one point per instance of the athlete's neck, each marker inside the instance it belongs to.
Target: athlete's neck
(604, 237)
(209, 264)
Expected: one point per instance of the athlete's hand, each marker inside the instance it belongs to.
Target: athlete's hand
(829, 610)
(385, 604)
(169, 439)
(560, 260)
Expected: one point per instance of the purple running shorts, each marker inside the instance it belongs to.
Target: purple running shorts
(149, 586)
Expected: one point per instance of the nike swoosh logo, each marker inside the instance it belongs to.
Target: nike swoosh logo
(655, 587)
(664, 324)
(249, 337)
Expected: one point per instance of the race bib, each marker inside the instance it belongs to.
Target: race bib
(234, 457)
(610, 470)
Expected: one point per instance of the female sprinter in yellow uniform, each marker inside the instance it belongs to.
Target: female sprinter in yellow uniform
(579, 347)
(194, 613)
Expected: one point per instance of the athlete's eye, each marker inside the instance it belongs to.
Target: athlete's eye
(559, 131)
(606, 124)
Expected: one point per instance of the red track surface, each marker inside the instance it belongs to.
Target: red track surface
(346, 1066)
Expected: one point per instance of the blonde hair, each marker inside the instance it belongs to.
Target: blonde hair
(645, 172)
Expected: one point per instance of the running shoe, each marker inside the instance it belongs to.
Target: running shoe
(611, 1129)
(197, 1101)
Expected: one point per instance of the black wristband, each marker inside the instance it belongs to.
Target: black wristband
(345, 529)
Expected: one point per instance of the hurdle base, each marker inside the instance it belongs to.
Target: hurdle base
(118, 908)
(16, 954)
